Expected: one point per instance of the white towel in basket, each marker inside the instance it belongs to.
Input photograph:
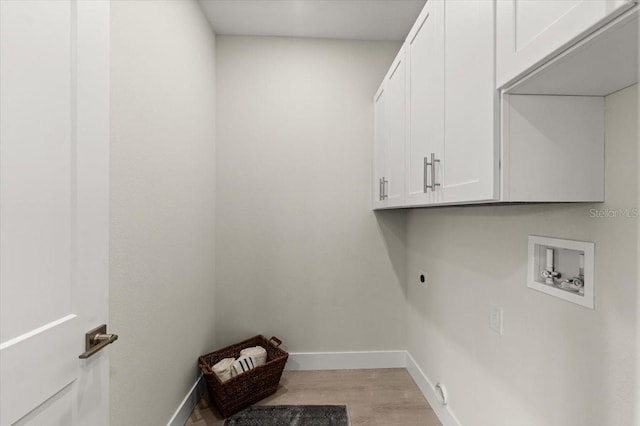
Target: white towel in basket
(224, 369)
(257, 353)
(242, 364)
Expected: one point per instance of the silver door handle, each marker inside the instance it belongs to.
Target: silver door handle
(431, 163)
(385, 186)
(380, 190)
(97, 339)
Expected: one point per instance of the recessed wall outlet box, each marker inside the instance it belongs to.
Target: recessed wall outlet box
(562, 268)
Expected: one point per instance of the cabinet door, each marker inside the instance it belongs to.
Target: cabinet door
(425, 73)
(379, 146)
(395, 104)
(469, 165)
(530, 31)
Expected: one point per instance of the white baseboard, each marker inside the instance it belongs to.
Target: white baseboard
(189, 402)
(339, 361)
(346, 360)
(443, 412)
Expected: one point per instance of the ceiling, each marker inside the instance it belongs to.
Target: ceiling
(341, 19)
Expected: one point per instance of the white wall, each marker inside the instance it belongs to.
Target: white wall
(637, 410)
(557, 364)
(162, 205)
(300, 253)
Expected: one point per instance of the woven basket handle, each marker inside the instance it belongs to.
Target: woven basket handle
(275, 341)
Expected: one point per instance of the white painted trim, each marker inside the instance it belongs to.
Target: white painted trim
(187, 405)
(346, 360)
(443, 412)
(339, 361)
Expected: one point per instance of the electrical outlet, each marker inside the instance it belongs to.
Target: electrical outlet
(422, 279)
(495, 320)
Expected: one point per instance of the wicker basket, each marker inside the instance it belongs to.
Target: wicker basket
(245, 389)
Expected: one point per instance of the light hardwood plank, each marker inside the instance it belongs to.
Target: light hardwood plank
(373, 397)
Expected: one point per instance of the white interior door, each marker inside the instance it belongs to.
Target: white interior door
(54, 213)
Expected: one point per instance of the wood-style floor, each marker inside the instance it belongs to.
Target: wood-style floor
(386, 397)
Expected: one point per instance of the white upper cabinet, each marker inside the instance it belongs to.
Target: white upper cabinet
(441, 107)
(468, 167)
(379, 146)
(425, 64)
(451, 154)
(395, 105)
(529, 32)
(447, 134)
(390, 131)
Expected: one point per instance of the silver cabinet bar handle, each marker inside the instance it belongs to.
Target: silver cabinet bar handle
(385, 187)
(380, 189)
(426, 175)
(433, 171)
